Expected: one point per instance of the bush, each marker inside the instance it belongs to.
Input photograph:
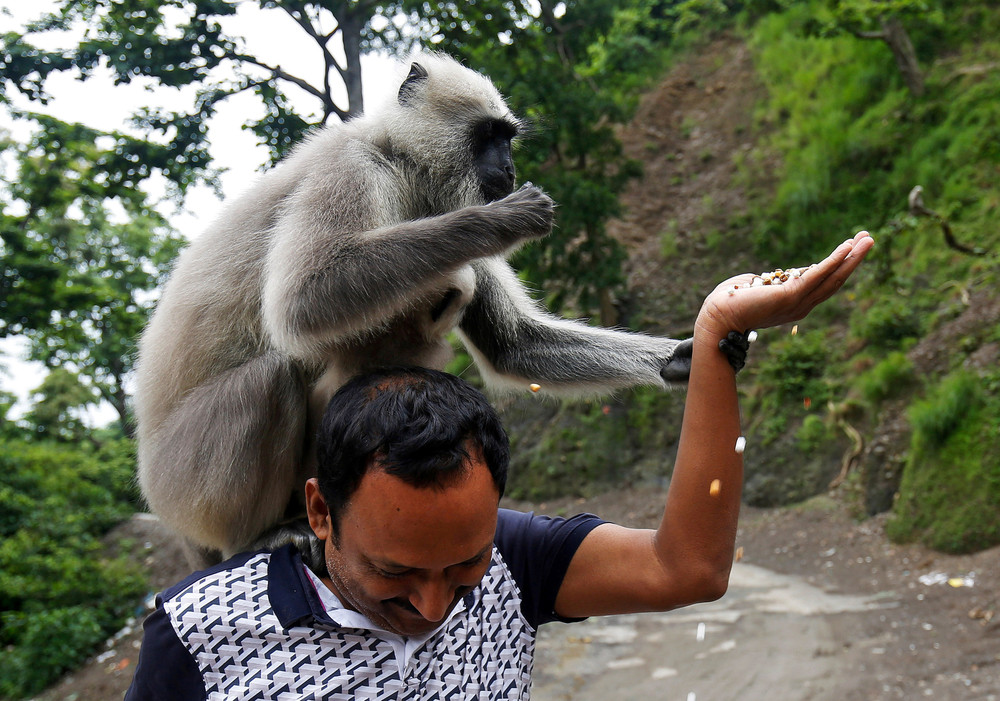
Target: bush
(887, 379)
(60, 593)
(578, 448)
(50, 643)
(887, 324)
(944, 411)
(791, 377)
(950, 493)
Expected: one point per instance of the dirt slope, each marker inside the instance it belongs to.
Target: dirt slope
(689, 132)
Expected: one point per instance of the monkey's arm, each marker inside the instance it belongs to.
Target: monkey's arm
(336, 280)
(516, 343)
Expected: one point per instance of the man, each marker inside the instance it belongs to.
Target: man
(424, 590)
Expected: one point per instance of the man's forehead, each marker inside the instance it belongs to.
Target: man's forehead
(390, 520)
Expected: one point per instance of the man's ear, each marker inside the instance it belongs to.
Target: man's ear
(317, 510)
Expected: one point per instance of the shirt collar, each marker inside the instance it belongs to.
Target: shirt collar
(292, 596)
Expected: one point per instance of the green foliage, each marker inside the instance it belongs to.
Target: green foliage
(57, 402)
(181, 44)
(853, 142)
(812, 434)
(82, 248)
(34, 662)
(61, 593)
(886, 379)
(794, 376)
(8, 429)
(580, 448)
(818, 90)
(944, 411)
(950, 494)
(850, 140)
(888, 324)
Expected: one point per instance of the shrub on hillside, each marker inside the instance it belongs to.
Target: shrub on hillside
(950, 493)
(61, 595)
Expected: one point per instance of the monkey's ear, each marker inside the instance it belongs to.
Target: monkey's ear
(416, 76)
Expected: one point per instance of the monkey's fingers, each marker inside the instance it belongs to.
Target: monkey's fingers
(735, 346)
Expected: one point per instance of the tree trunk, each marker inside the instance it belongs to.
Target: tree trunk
(894, 34)
(350, 32)
(609, 313)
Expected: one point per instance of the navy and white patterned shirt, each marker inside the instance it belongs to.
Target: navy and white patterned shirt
(255, 627)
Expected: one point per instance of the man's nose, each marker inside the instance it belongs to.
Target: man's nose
(432, 598)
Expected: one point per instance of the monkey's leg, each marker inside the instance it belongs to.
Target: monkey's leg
(222, 466)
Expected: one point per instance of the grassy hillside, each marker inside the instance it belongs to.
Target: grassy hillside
(767, 146)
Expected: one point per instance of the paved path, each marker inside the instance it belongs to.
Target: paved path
(770, 637)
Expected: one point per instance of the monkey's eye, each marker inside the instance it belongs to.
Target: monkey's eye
(494, 129)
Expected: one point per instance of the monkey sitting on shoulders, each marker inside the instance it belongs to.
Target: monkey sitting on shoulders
(365, 247)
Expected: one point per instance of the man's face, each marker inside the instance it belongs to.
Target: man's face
(406, 556)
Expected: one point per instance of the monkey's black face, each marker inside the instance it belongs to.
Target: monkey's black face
(494, 160)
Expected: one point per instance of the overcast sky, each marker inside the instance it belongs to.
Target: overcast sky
(271, 35)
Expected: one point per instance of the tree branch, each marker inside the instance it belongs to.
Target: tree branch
(880, 36)
(917, 207)
(307, 26)
(277, 72)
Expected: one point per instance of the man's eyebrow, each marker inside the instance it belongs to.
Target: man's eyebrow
(480, 555)
(390, 565)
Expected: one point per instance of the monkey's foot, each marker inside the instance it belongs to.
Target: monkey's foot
(299, 534)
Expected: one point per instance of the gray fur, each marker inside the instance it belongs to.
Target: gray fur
(366, 246)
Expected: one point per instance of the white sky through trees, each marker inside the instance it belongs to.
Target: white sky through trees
(271, 35)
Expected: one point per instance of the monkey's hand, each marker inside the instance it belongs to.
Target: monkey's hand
(527, 212)
(734, 347)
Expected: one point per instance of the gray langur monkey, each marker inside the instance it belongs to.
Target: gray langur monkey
(366, 246)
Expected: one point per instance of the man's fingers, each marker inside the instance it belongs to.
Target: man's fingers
(833, 272)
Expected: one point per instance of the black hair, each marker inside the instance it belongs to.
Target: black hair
(415, 423)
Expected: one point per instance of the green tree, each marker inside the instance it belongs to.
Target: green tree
(55, 414)
(62, 593)
(82, 250)
(573, 69)
(178, 43)
(882, 20)
(8, 428)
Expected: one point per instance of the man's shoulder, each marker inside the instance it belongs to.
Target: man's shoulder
(239, 566)
(526, 528)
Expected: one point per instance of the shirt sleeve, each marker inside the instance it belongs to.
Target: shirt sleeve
(538, 550)
(166, 671)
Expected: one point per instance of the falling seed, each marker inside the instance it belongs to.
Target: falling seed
(739, 554)
(533, 387)
(751, 337)
(715, 488)
(741, 444)
(700, 634)
(795, 329)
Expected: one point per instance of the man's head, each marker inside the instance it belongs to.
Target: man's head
(416, 424)
(412, 464)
